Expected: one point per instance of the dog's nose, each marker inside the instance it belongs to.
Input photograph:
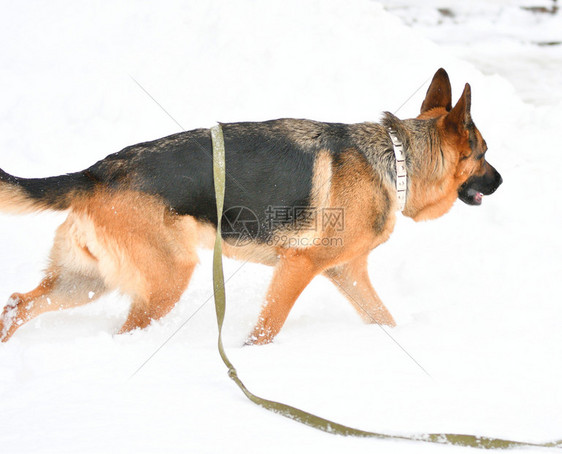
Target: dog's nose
(499, 179)
(494, 178)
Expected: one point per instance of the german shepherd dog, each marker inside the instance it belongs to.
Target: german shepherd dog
(306, 197)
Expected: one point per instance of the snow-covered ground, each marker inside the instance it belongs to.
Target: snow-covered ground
(520, 40)
(476, 294)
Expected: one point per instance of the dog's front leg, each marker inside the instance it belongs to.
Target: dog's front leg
(293, 273)
(352, 280)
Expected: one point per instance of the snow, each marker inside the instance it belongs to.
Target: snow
(476, 294)
(499, 37)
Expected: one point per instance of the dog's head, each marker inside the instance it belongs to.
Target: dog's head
(474, 177)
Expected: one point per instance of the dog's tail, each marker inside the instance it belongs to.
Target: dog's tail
(26, 195)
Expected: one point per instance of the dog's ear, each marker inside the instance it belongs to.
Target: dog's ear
(459, 117)
(438, 93)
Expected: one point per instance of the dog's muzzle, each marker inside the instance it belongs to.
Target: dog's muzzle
(477, 186)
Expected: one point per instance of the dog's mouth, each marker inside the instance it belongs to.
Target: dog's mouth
(471, 197)
(476, 187)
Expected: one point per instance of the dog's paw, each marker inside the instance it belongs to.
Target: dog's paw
(259, 338)
(9, 320)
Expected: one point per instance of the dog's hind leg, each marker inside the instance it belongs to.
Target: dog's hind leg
(145, 251)
(71, 280)
(60, 289)
(352, 280)
(161, 297)
(119, 241)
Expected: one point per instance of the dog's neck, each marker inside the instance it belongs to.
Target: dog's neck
(427, 166)
(421, 144)
(423, 158)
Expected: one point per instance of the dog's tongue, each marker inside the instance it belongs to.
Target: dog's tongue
(476, 196)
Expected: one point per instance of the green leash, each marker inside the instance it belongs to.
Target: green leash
(219, 172)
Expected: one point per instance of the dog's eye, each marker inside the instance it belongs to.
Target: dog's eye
(480, 156)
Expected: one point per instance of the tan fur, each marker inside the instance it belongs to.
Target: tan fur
(352, 280)
(14, 200)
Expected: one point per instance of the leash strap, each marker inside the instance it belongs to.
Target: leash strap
(219, 172)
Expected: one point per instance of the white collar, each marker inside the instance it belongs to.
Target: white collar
(401, 174)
